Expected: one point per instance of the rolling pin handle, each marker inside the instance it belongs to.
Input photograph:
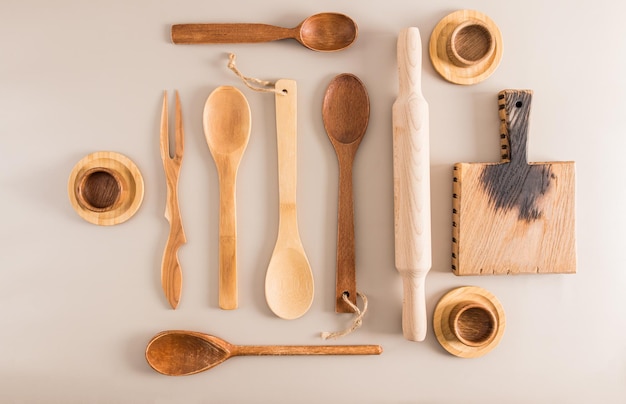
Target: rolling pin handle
(414, 323)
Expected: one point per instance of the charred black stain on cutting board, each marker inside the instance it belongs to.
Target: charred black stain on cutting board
(514, 183)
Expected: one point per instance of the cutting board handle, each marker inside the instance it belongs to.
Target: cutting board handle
(514, 111)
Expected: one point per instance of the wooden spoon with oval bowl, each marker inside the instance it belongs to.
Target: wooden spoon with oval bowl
(325, 32)
(289, 280)
(181, 353)
(226, 121)
(345, 112)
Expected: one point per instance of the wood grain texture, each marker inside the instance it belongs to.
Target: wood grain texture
(325, 32)
(345, 110)
(469, 321)
(289, 287)
(466, 47)
(178, 353)
(171, 271)
(513, 217)
(411, 172)
(227, 123)
(105, 188)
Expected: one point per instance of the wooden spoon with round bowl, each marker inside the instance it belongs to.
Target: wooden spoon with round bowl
(324, 32)
(226, 122)
(289, 279)
(345, 112)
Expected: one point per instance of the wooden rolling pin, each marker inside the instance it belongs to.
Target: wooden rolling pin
(411, 184)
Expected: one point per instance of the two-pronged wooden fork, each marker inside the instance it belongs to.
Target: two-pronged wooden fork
(171, 273)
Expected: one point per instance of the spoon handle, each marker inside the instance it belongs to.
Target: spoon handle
(257, 350)
(171, 272)
(345, 282)
(286, 131)
(411, 166)
(227, 33)
(228, 299)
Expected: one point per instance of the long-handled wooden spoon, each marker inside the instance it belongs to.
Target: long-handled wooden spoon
(345, 112)
(289, 280)
(171, 273)
(411, 179)
(325, 32)
(181, 353)
(226, 122)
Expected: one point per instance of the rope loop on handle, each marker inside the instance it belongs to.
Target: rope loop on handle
(251, 82)
(356, 322)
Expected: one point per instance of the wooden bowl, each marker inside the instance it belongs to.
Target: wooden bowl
(465, 47)
(469, 322)
(105, 188)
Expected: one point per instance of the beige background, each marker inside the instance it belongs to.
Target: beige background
(79, 302)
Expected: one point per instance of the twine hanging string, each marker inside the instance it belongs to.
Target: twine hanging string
(251, 82)
(356, 323)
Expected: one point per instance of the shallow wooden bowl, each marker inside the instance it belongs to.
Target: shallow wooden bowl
(105, 188)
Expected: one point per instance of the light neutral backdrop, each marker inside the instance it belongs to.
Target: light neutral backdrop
(79, 302)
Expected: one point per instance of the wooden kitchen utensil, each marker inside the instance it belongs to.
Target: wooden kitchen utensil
(289, 280)
(469, 322)
(411, 179)
(105, 188)
(325, 32)
(345, 112)
(226, 122)
(171, 272)
(513, 217)
(466, 47)
(181, 353)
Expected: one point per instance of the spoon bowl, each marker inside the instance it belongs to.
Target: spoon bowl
(327, 32)
(323, 32)
(226, 123)
(289, 284)
(345, 112)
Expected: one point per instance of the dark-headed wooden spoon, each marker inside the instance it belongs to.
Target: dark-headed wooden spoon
(180, 353)
(345, 112)
(325, 32)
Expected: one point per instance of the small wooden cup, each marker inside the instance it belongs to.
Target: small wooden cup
(99, 189)
(105, 188)
(469, 322)
(470, 43)
(473, 324)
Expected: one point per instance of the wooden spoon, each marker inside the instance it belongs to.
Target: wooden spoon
(345, 112)
(325, 32)
(226, 122)
(411, 179)
(289, 280)
(181, 353)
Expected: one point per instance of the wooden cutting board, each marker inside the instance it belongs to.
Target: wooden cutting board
(513, 217)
